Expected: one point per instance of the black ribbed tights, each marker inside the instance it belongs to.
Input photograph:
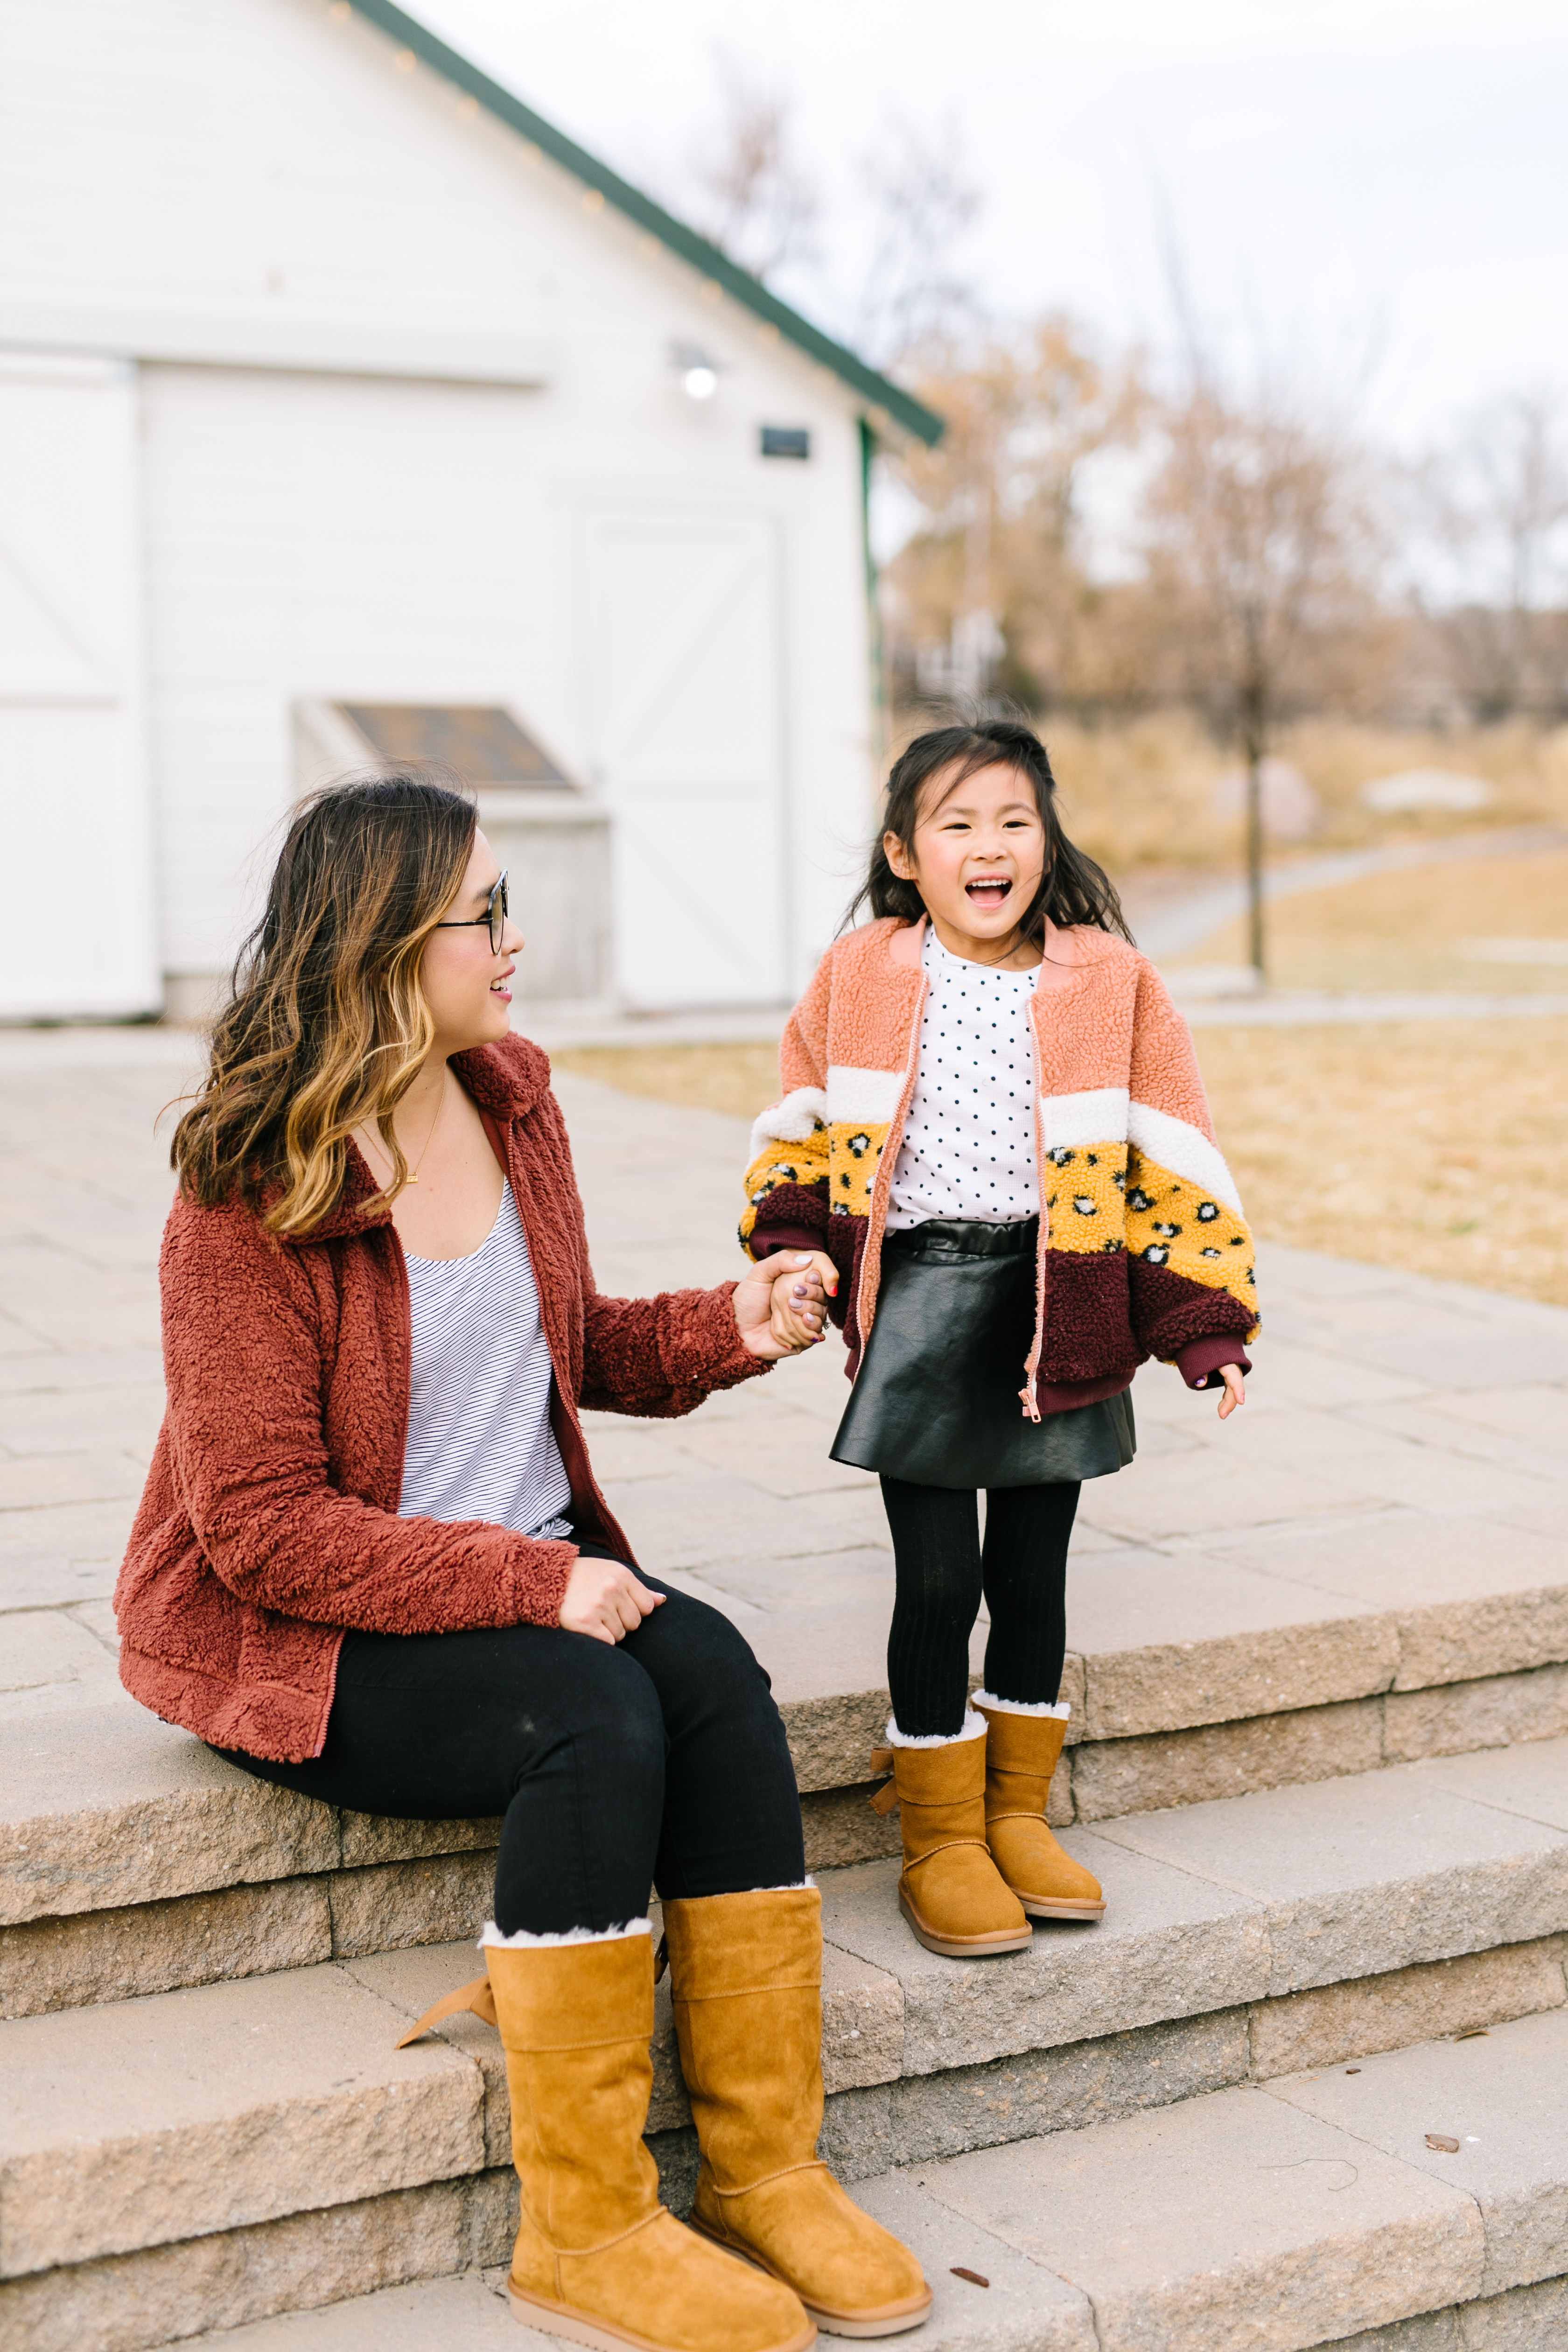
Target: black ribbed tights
(943, 1571)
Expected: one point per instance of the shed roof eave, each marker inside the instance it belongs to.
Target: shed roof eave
(891, 408)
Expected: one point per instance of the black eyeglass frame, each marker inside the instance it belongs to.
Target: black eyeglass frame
(496, 922)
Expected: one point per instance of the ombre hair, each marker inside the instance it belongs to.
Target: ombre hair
(327, 1024)
(1073, 888)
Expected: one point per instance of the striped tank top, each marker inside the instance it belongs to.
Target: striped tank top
(480, 1441)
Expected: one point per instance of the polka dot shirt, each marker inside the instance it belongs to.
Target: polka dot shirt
(968, 1148)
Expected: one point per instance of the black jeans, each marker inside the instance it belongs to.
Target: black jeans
(661, 1760)
(943, 1571)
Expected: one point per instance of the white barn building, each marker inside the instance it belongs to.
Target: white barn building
(333, 380)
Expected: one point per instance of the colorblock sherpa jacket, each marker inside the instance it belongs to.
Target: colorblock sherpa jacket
(268, 1523)
(1143, 1248)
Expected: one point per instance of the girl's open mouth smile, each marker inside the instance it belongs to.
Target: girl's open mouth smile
(989, 890)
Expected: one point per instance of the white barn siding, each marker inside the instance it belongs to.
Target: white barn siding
(508, 499)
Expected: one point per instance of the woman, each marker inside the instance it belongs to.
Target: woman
(371, 1564)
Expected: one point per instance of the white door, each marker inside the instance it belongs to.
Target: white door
(685, 727)
(77, 929)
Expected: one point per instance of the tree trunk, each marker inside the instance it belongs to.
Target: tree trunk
(1254, 861)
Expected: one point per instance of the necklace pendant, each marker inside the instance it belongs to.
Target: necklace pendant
(414, 1180)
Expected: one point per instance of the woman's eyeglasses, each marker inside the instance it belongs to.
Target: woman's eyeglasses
(493, 918)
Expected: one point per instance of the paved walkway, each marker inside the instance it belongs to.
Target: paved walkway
(1405, 1440)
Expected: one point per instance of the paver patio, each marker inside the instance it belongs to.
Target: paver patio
(1404, 1443)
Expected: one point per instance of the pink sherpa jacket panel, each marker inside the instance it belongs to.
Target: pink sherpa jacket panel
(268, 1525)
(1143, 1248)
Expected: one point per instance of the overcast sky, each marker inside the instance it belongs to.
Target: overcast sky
(1369, 192)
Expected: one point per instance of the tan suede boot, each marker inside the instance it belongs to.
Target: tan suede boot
(1021, 1752)
(747, 1975)
(950, 1892)
(598, 2260)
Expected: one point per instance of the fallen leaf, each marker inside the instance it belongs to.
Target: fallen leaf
(1473, 2034)
(1352, 2070)
(973, 2276)
(1443, 2144)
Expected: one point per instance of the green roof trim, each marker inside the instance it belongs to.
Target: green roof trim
(899, 407)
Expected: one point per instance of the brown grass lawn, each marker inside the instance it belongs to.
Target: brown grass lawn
(1408, 931)
(1437, 1146)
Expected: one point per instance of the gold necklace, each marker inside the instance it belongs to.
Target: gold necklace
(412, 1176)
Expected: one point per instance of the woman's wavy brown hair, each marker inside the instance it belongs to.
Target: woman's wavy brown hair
(327, 1024)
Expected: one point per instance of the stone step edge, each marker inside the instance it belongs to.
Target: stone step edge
(94, 1958)
(1432, 2247)
(470, 2308)
(1004, 2079)
(195, 1825)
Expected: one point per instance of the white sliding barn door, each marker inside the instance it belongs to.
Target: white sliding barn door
(77, 927)
(685, 729)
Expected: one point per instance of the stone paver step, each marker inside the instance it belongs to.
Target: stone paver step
(131, 1860)
(1413, 2202)
(1243, 1938)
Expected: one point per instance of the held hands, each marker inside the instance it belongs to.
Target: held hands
(603, 1599)
(781, 1306)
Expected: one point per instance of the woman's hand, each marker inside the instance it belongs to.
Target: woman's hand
(1234, 1390)
(603, 1599)
(780, 1308)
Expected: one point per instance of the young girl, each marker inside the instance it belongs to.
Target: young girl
(993, 1123)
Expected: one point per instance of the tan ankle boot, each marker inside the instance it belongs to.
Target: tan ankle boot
(1021, 1752)
(747, 1975)
(598, 2260)
(950, 1892)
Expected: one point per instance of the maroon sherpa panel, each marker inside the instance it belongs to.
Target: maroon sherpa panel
(846, 1240)
(1087, 1334)
(1170, 1310)
(268, 1525)
(791, 1208)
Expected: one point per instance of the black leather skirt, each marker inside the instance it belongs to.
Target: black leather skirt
(936, 1399)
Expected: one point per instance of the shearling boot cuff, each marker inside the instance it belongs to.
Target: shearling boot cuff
(1060, 1712)
(973, 1728)
(523, 1942)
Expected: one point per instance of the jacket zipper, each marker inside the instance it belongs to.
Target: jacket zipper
(1026, 1396)
(882, 1185)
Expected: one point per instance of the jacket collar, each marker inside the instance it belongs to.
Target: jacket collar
(1066, 951)
(506, 1079)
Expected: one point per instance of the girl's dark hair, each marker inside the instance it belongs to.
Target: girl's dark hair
(1073, 888)
(327, 1024)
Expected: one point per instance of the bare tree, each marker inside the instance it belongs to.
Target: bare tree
(753, 197)
(1263, 553)
(914, 295)
(993, 580)
(1500, 503)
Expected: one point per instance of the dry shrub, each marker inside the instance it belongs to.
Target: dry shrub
(1143, 793)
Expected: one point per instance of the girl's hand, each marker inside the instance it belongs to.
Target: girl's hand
(603, 1599)
(780, 1308)
(1234, 1390)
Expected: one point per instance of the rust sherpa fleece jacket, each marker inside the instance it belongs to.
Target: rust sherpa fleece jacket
(268, 1524)
(1143, 1248)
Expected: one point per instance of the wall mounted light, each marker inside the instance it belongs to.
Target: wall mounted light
(697, 372)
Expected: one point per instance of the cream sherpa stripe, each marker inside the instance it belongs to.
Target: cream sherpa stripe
(794, 1121)
(1020, 1707)
(1184, 1150)
(973, 1728)
(523, 1942)
(1097, 1115)
(853, 1095)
